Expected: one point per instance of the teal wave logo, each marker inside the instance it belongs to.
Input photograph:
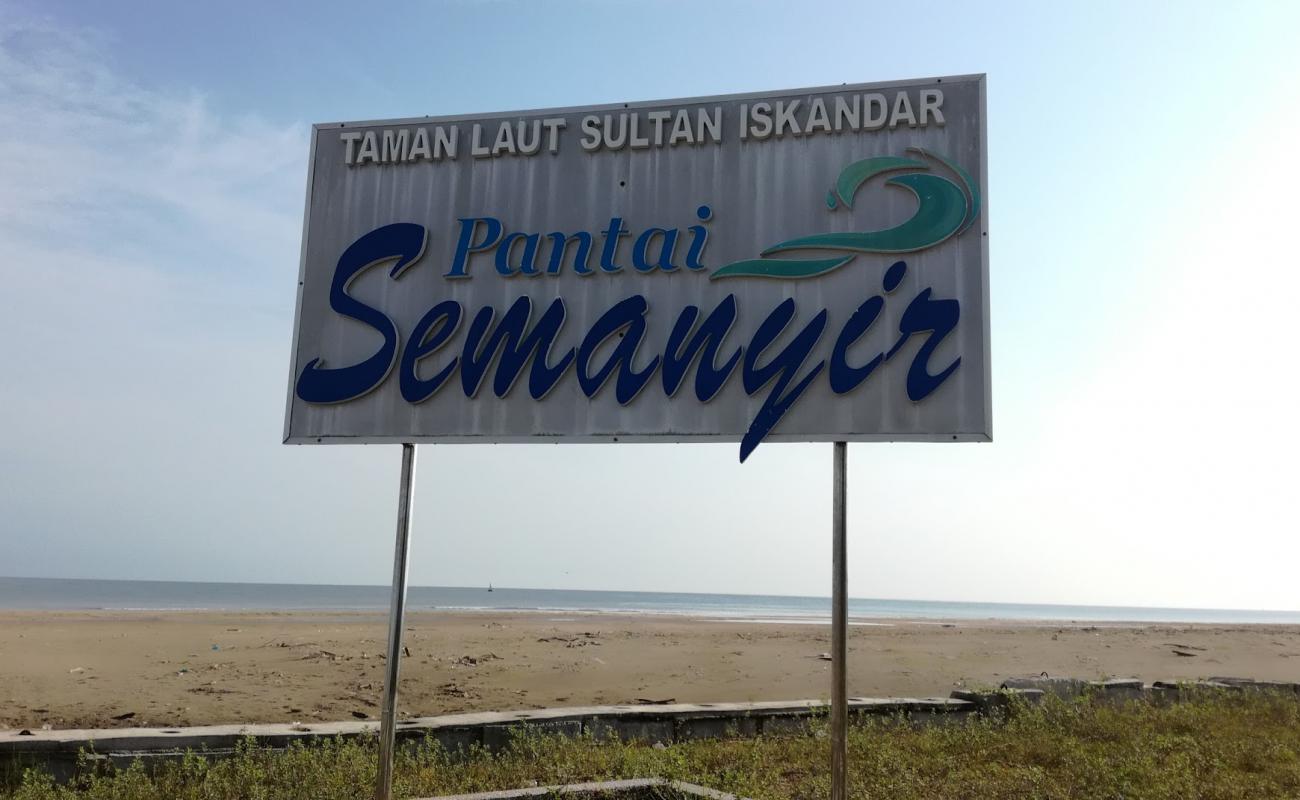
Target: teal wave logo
(946, 207)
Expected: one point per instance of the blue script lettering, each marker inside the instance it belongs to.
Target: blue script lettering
(515, 253)
(519, 348)
(431, 333)
(317, 383)
(626, 318)
(709, 378)
(781, 368)
(465, 243)
(843, 377)
(516, 343)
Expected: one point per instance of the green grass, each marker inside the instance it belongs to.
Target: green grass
(1234, 746)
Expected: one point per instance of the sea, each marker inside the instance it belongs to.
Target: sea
(121, 595)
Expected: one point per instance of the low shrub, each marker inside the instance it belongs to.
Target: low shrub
(1243, 745)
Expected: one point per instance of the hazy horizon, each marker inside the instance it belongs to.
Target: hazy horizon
(499, 587)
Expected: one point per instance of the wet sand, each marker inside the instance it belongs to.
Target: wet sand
(92, 669)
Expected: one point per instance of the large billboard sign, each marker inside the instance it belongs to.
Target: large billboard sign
(805, 265)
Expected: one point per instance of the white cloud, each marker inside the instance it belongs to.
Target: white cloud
(148, 253)
(89, 154)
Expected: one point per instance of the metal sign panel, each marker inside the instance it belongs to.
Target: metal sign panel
(805, 265)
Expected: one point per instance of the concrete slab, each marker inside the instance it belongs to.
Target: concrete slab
(648, 788)
(58, 750)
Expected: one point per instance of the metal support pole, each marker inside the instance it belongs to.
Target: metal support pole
(839, 629)
(396, 616)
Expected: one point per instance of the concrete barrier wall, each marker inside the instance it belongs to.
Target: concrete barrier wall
(634, 789)
(58, 750)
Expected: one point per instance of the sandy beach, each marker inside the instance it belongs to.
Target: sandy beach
(113, 669)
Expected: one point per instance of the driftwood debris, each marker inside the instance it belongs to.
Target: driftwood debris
(581, 640)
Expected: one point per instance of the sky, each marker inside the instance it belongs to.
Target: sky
(1142, 213)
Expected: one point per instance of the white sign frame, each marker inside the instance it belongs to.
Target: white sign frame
(982, 431)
